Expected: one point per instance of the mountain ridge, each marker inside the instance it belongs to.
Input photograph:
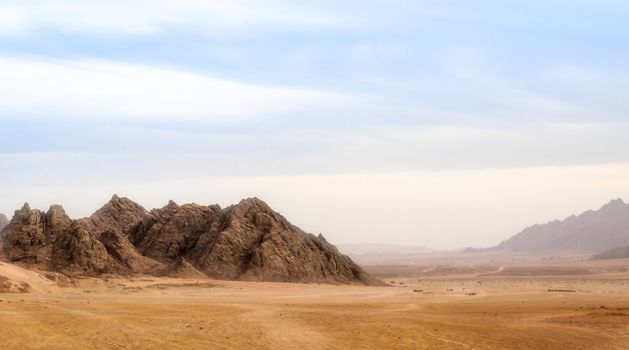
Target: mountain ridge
(591, 232)
(245, 241)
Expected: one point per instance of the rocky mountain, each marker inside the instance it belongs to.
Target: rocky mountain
(591, 232)
(4, 221)
(246, 241)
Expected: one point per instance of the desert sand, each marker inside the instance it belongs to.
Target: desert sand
(466, 309)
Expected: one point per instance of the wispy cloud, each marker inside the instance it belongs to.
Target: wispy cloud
(140, 17)
(106, 89)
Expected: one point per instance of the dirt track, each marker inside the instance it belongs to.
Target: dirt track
(150, 313)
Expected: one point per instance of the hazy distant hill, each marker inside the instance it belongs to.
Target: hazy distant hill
(381, 249)
(590, 232)
(615, 253)
(3, 221)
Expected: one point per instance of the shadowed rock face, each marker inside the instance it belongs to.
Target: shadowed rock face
(77, 251)
(181, 269)
(173, 231)
(247, 241)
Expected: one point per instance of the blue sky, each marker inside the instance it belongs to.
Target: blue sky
(216, 100)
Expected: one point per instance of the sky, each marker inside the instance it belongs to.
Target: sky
(439, 123)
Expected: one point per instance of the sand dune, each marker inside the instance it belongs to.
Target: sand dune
(38, 283)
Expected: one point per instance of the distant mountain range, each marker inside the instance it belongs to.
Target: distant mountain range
(590, 233)
(604, 232)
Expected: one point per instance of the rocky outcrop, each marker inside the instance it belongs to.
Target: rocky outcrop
(174, 230)
(256, 243)
(119, 214)
(124, 253)
(29, 236)
(226, 252)
(24, 236)
(246, 241)
(77, 251)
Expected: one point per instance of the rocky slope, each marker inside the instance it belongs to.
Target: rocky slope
(246, 241)
(591, 232)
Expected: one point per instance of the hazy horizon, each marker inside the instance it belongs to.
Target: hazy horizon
(333, 217)
(444, 124)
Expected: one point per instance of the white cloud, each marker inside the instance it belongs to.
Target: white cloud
(96, 88)
(148, 16)
(11, 21)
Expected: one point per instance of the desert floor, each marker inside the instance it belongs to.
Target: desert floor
(447, 311)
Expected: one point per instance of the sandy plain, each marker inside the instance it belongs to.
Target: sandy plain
(455, 309)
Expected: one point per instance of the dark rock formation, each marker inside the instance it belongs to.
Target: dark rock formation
(247, 241)
(77, 251)
(30, 234)
(255, 243)
(173, 231)
(118, 246)
(590, 232)
(119, 214)
(57, 222)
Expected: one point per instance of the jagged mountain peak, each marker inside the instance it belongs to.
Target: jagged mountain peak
(120, 213)
(117, 202)
(252, 203)
(25, 208)
(56, 212)
(615, 204)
